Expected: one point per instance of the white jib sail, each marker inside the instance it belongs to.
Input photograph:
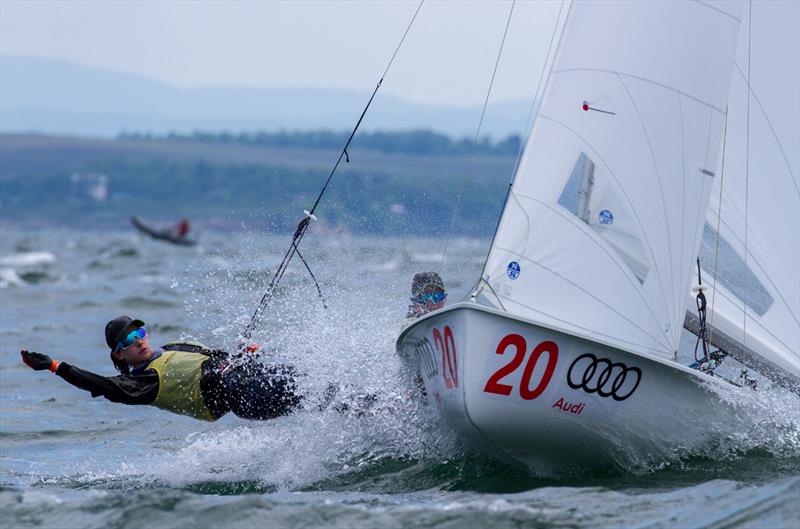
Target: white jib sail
(757, 298)
(607, 207)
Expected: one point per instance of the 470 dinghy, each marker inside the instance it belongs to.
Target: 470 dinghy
(565, 354)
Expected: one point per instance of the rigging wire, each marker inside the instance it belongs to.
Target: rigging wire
(747, 163)
(523, 141)
(302, 226)
(477, 135)
(719, 219)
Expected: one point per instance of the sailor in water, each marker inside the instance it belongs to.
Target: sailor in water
(182, 377)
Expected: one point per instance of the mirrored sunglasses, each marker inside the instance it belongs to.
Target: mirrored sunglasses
(129, 340)
(430, 298)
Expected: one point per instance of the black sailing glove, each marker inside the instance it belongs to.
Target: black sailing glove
(38, 361)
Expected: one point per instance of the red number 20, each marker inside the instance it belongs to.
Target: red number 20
(447, 347)
(493, 385)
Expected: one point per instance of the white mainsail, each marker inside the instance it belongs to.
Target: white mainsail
(606, 211)
(757, 297)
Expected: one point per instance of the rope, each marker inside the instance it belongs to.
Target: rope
(702, 335)
(302, 226)
(475, 141)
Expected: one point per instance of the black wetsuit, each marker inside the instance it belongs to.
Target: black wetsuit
(248, 389)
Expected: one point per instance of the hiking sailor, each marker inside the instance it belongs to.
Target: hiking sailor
(186, 378)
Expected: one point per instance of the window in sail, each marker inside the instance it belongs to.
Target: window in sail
(590, 195)
(732, 272)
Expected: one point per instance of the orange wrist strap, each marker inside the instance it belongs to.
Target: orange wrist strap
(54, 366)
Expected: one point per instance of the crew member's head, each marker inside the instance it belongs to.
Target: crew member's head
(427, 294)
(128, 341)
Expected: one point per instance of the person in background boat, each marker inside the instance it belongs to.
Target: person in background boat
(427, 294)
(182, 229)
(186, 378)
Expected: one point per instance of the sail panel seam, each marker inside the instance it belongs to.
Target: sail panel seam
(718, 10)
(602, 245)
(590, 334)
(671, 313)
(640, 78)
(667, 350)
(771, 129)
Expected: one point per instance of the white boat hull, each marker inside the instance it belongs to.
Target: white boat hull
(553, 402)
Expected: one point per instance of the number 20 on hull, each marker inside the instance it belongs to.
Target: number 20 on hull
(520, 346)
(446, 346)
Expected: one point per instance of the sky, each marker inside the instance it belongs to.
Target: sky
(447, 57)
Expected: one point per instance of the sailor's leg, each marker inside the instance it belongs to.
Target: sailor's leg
(261, 393)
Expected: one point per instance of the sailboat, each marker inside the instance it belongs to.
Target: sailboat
(565, 355)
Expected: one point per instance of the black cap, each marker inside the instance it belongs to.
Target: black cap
(425, 283)
(115, 329)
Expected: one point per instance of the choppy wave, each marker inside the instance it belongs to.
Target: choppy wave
(711, 504)
(27, 259)
(9, 278)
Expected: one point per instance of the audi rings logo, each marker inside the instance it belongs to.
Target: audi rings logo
(604, 377)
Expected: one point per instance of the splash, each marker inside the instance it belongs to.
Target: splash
(769, 419)
(375, 417)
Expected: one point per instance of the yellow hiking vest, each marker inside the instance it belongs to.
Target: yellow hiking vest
(179, 375)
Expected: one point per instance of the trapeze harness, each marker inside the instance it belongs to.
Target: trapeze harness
(180, 371)
(197, 381)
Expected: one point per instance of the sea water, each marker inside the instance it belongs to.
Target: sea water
(67, 460)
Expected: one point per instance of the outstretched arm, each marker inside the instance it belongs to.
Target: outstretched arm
(127, 389)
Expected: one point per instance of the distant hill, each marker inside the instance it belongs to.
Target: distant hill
(56, 97)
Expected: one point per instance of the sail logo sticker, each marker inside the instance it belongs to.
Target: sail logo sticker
(606, 217)
(513, 270)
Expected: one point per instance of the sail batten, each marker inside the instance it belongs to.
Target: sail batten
(643, 111)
